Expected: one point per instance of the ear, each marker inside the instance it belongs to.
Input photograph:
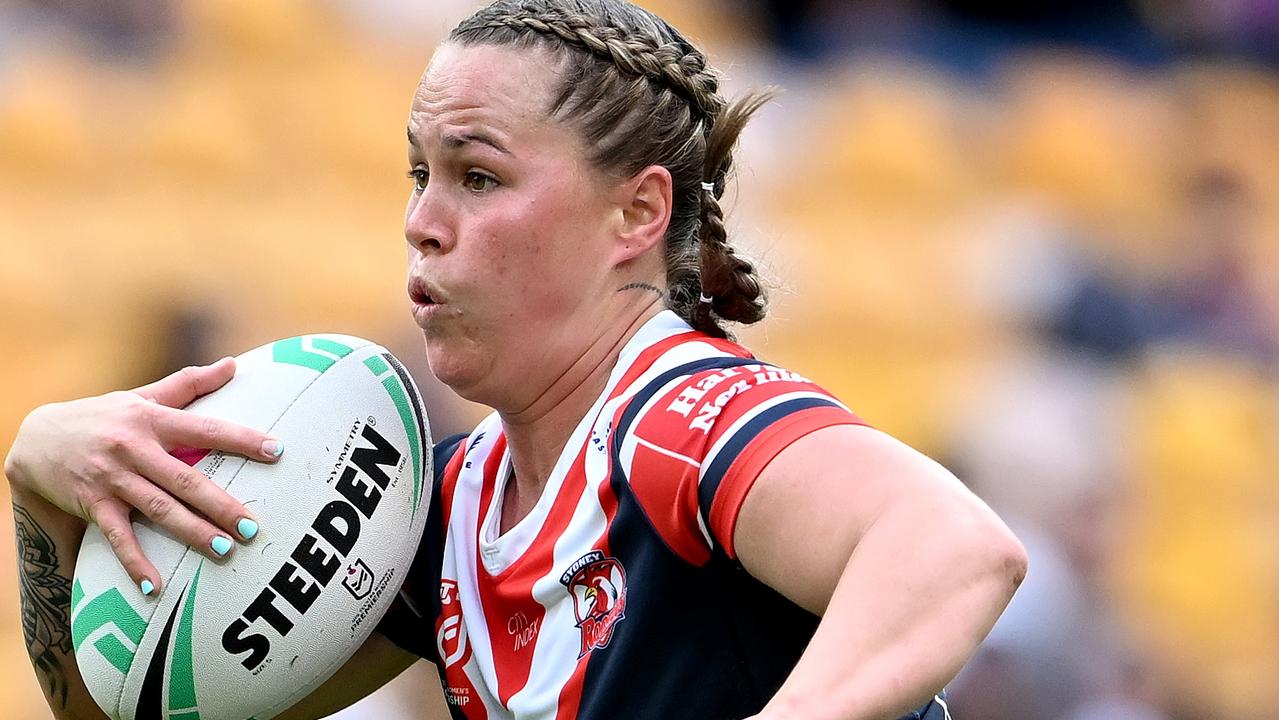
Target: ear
(645, 202)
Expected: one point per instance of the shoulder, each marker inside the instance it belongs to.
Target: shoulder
(693, 438)
(451, 452)
(445, 449)
(722, 396)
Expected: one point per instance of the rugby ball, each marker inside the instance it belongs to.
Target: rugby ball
(340, 515)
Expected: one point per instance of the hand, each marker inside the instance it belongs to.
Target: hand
(100, 458)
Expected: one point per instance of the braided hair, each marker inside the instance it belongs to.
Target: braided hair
(641, 94)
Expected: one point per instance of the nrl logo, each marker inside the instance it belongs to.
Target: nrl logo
(358, 580)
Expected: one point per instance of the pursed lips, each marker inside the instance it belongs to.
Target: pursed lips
(421, 293)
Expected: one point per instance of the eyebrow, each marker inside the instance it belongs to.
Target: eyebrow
(454, 141)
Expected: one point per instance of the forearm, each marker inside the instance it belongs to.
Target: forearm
(47, 541)
(918, 594)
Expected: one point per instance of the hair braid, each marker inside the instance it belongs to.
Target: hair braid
(730, 286)
(676, 65)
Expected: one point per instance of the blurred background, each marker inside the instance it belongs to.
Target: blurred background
(1038, 241)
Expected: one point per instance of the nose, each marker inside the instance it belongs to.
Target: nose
(426, 226)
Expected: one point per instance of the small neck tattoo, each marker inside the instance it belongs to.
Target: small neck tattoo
(642, 286)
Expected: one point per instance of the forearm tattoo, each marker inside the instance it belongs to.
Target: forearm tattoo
(641, 286)
(46, 603)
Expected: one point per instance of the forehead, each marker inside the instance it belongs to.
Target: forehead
(502, 88)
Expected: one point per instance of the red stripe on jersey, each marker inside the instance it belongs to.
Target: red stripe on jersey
(668, 493)
(491, 464)
(570, 700)
(666, 464)
(740, 476)
(514, 617)
(488, 600)
(452, 471)
(460, 690)
(454, 648)
(508, 596)
(671, 474)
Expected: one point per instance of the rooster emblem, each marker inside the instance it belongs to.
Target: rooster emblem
(598, 586)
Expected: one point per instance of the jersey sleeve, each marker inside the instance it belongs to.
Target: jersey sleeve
(410, 620)
(698, 444)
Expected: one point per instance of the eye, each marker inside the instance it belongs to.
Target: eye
(479, 182)
(420, 177)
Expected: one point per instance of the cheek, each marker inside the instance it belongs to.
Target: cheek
(532, 253)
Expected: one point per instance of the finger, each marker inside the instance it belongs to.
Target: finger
(112, 518)
(180, 521)
(189, 383)
(200, 493)
(181, 428)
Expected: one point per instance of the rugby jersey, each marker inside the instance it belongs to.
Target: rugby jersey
(619, 595)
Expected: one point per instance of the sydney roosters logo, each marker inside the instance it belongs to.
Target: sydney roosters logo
(598, 587)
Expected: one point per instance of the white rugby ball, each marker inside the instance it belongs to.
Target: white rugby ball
(340, 516)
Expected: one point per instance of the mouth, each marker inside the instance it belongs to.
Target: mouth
(428, 303)
(423, 295)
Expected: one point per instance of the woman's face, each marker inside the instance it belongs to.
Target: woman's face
(509, 228)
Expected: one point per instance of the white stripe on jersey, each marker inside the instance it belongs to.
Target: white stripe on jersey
(754, 412)
(555, 655)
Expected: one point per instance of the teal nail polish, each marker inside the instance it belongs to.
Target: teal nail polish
(273, 448)
(247, 528)
(221, 545)
(146, 586)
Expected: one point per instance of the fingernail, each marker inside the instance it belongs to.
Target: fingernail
(221, 545)
(247, 528)
(146, 587)
(272, 448)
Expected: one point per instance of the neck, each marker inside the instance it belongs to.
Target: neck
(536, 435)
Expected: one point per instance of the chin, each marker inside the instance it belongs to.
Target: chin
(462, 371)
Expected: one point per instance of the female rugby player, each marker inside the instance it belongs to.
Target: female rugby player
(652, 523)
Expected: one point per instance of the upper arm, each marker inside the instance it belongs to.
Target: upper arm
(374, 664)
(812, 504)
